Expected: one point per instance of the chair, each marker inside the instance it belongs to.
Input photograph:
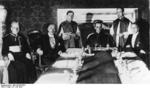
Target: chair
(35, 41)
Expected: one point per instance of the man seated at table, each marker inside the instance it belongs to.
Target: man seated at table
(99, 37)
(134, 43)
(16, 49)
(52, 45)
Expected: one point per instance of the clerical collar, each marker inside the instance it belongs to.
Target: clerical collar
(50, 35)
(68, 21)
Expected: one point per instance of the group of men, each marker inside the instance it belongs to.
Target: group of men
(123, 34)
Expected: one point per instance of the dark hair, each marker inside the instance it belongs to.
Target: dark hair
(97, 21)
(89, 14)
(21, 28)
(70, 11)
(46, 25)
(121, 8)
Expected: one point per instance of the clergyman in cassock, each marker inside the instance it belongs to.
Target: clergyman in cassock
(16, 49)
(70, 32)
(99, 38)
(120, 29)
(99, 68)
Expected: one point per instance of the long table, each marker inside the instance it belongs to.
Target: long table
(64, 70)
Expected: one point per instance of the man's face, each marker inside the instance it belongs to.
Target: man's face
(15, 28)
(98, 27)
(134, 28)
(70, 16)
(89, 18)
(119, 13)
(51, 29)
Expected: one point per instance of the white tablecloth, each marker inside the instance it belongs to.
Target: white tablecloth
(133, 71)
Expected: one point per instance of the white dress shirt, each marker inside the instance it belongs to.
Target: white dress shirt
(52, 40)
(134, 36)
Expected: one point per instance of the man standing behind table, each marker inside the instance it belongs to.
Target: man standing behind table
(86, 28)
(120, 29)
(70, 32)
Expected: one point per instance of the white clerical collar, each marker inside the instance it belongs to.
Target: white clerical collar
(50, 35)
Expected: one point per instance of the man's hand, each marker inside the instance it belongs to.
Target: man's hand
(142, 52)
(128, 46)
(72, 34)
(11, 57)
(60, 52)
(39, 51)
(6, 60)
(28, 56)
(125, 35)
(66, 36)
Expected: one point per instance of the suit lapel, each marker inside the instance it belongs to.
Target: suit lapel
(129, 41)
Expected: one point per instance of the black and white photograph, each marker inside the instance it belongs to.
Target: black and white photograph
(74, 42)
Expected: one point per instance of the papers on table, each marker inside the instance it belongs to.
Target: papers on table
(104, 48)
(64, 64)
(128, 54)
(54, 78)
(133, 71)
(72, 53)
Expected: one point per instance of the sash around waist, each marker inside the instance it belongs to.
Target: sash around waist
(15, 49)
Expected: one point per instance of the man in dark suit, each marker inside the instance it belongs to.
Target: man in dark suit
(134, 43)
(52, 45)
